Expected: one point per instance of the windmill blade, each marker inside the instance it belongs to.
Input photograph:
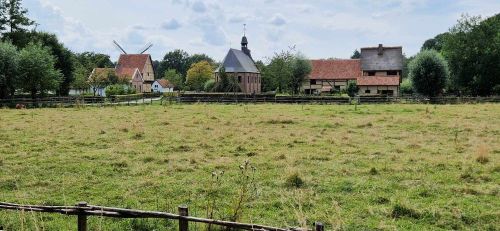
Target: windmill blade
(119, 47)
(145, 48)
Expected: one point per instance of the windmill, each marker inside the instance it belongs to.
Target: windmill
(141, 51)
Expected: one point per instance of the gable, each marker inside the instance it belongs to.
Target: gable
(134, 61)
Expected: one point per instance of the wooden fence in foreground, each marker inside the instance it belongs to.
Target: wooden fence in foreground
(83, 210)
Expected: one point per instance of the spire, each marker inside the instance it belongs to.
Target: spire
(244, 42)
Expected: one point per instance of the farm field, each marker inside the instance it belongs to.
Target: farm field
(386, 167)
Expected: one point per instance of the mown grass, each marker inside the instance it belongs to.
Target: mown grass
(387, 167)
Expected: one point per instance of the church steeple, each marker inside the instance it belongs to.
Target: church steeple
(244, 42)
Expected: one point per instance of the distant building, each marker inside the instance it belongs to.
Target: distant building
(162, 86)
(239, 64)
(331, 75)
(382, 68)
(377, 72)
(139, 69)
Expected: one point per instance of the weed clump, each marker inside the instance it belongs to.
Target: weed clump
(138, 135)
(482, 156)
(294, 181)
(373, 171)
(399, 211)
(274, 121)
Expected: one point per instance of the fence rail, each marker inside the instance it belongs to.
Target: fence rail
(83, 210)
(229, 99)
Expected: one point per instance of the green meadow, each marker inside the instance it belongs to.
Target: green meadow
(370, 167)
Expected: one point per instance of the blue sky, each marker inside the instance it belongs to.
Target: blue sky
(318, 28)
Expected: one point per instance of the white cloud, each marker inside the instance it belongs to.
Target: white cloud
(278, 20)
(320, 28)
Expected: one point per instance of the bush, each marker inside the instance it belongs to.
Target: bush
(209, 85)
(429, 73)
(407, 87)
(119, 89)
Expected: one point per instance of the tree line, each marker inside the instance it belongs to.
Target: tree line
(463, 61)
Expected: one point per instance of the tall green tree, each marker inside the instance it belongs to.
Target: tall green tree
(198, 75)
(176, 60)
(473, 52)
(3, 15)
(277, 74)
(301, 68)
(9, 64)
(38, 72)
(429, 73)
(65, 59)
(16, 16)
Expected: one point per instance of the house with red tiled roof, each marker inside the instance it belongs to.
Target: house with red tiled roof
(377, 72)
(137, 69)
(331, 75)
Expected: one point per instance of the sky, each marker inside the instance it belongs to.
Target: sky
(316, 28)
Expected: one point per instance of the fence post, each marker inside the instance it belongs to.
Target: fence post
(183, 223)
(82, 218)
(318, 226)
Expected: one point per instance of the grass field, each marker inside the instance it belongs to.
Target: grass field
(386, 167)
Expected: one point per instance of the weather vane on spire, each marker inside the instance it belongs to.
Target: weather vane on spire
(244, 29)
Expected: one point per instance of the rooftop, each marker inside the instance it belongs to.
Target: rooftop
(335, 69)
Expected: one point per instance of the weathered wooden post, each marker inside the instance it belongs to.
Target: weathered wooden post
(82, 218)
(183, 223)
(318, 226)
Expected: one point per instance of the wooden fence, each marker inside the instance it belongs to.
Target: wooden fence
(230, 99)
(83, 210)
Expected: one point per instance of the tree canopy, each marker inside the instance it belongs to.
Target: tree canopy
(429, 73)
(9, 65)
(473, 52)
(13, 16)
(286, 72)
(198, 75)
(38, 72)
(175, 78)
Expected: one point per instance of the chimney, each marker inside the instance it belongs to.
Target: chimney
(380, 49)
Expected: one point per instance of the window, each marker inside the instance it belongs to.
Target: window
(392, 73)
(248, 79)
(239, 79)
(371, 73)
(313, 81)
(367, 91)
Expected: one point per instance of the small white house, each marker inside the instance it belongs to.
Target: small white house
(162, 86)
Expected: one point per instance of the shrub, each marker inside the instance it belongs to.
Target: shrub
(294, 181)
(209, 85)
(352, 88)
(119, 89)
(407, 87)
(429, 73)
